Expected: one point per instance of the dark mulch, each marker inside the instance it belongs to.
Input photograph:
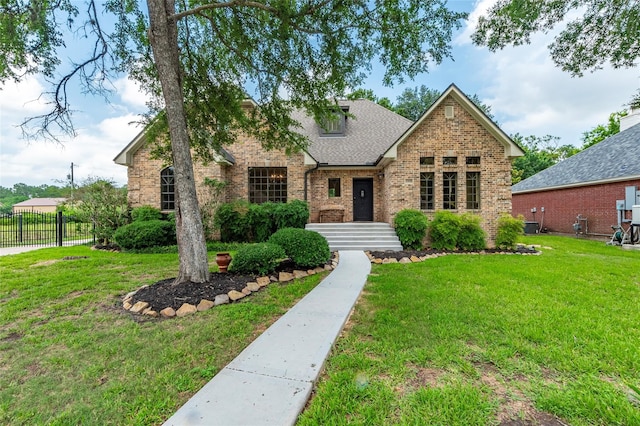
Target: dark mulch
(164, 294)
(408, 253)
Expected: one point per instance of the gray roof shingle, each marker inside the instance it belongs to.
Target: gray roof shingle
(368, 134)
(615, 158)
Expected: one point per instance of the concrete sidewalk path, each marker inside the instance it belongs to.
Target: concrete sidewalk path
(270, 382)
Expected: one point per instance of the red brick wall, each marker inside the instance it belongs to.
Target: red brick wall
(561, 206)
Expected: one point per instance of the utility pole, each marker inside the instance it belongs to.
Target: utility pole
(71, 178)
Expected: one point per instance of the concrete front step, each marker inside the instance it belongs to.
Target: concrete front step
(374, 236)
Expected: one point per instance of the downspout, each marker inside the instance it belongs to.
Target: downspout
(306, 174)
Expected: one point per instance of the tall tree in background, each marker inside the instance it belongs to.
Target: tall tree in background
(603, 131)
(606, 32)
(413, 102)
(199, 59)
(539, 154)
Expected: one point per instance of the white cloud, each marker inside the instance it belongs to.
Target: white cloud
(529, 94)
(130, 92)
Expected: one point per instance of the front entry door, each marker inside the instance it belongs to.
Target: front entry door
(362, 199)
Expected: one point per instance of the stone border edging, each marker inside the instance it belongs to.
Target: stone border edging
(142, 307)
(415, 259)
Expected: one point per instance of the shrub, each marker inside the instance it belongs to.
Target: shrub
(261, 221)
(444, 230)
(138, 235)
(260, 258)
(471, 235)
(509, 229)
(411, 227)
(306, 249)
(294, 214)
(231, 219)
(145, 213)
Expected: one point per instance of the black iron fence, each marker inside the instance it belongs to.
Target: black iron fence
(43, 229)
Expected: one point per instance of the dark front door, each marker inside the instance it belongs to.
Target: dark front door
(363, 199)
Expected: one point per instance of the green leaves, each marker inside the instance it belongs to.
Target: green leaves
(607, 32)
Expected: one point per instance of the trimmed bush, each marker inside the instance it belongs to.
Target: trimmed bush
(231, 219)
(444, 230)
(261, 221)
(294, 214)
(471, 235)
(152, 233)
(145, 213)
(509, 229)
(411, 227)
(307, 249)
(259, 258)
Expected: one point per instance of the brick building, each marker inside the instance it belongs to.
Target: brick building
(599, 185)
(364, 166)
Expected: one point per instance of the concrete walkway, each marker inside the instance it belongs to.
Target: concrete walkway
(5, 251)
(270, 382)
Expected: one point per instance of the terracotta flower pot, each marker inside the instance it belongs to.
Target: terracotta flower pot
(223, 260)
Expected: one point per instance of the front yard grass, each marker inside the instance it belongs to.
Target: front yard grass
(482, 340)
(70, 355)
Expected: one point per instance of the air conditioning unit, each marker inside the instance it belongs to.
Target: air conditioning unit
(635, 215)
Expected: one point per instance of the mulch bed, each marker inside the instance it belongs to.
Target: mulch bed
(419, 253)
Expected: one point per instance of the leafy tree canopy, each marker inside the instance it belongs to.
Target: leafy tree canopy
(606, 32)
(603, 131)
(539, 154)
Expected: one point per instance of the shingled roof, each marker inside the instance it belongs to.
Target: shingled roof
(368, 134)
(616, 158)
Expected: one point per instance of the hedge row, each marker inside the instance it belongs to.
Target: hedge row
(241, 221)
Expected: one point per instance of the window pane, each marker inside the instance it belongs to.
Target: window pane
(473, 190)
(449, 181)
(167, 190)
(426, 161)
(426, 191)
(267, 184)
(450, 161)
(334, 187)
(473, 160)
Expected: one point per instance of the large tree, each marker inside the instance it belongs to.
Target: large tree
(603, 131)
(200, 59)
(539, 154)
(606, 31)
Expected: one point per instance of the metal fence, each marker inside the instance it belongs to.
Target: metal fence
(43, 229)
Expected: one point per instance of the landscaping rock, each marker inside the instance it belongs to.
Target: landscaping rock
(404, 260)
(168, 312)
(263, 281)
(150, 312)
(311, 272)
(299, 274)
(253, 286)
(415, 258)
(328, 268)
(283, 277)
(378, 261)
(186, 309)
(204, 305)
(393, 260)
(221, 299)
(126, 306)
(235, 295)
(139, 307)
(319, 269)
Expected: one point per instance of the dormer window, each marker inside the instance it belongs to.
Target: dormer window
(335, 125)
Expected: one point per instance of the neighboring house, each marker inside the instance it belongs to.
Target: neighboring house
(39, 205)
(361, 168)
(599, 184)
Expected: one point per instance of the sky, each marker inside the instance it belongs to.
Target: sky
(527, 93)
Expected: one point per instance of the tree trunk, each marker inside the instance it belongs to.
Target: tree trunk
(192, 248)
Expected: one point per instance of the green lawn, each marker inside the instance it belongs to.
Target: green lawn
(70, 356)
(490, 339)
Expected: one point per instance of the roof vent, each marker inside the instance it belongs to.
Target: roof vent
(448, 111)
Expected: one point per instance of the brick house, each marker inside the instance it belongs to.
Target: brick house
(599, 184)
(364, 166)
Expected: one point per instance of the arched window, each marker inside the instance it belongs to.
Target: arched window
(167, 190)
